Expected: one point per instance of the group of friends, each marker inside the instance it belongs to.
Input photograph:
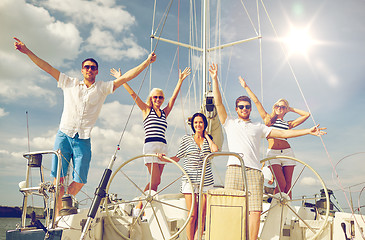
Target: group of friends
(83, 101)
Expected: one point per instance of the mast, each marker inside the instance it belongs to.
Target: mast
(205, 63)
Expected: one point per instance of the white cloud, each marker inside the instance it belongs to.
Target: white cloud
(39, 143)
(11, 91)
(109, 37)
(3, 113)
(99, 13)
(11, 162)
(114, 115)
(49, 38)
(59, 42)
(309, 181)
(113, 118)
(106, 135)
(108, 47)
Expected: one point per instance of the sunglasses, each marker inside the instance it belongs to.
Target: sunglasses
(87, 67)
(159, 97)
(280, 107)
(244, 106)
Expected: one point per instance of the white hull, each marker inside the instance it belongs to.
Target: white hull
(165, 215)
(292, 229)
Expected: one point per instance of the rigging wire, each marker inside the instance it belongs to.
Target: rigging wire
(249, 17)
(194, 40)
(148, 68)
(361, 206)
(163, 22)
(178, 61)
(151, 40)
(219, 54)
(306, 103)
(217, 38)
(178, 34)
(166, 87)
(258, 31)
(164, 18)
(351, 186)
(299, 87)
(226, 80)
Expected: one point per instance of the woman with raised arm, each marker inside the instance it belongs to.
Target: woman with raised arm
(283, 168)
(193, 149)
(155, 125)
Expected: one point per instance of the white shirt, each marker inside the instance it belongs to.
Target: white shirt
(82, 105)
(244, 137)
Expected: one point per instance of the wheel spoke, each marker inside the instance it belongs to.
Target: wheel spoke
(296, 180)
(170, 205)
(168, 185)
(271, 207)
(134, 184)
(149, 186)
(306, 199)
(151, 206)
(275, 179)
(302, 172)
(282, 219)
(301, 219)
(158, 222)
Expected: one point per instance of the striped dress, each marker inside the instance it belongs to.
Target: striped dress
(193, 160)
(155, 127)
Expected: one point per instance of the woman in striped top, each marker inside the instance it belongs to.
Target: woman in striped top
(193, 149)
(283, 168)
(155, 124)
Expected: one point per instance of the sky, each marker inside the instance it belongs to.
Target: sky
(326, 78)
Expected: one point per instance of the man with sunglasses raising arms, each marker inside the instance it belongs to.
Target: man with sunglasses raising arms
(82, 104)
(244, 137)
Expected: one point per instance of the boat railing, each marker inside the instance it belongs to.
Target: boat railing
(35, 160)
(244, 177)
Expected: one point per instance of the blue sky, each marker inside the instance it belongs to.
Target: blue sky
(116, 33)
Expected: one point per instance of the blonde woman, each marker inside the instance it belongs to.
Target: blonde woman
(155, 125)
(282, 168)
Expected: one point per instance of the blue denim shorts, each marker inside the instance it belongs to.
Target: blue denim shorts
(72, 149)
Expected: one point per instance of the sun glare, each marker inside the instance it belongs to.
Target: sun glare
(298, 41)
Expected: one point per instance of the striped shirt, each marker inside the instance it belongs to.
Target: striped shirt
(155, 127)
(193, 160)
(280, 124)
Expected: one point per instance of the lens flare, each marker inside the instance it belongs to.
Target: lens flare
(298, 41)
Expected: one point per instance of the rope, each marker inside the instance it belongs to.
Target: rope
(166, 87)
